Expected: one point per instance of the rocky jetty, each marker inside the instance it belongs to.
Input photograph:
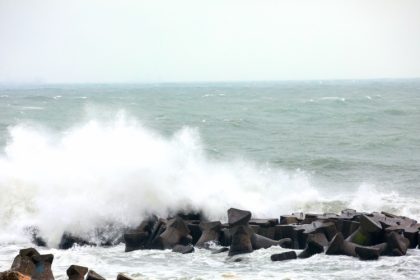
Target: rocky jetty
(366, 236)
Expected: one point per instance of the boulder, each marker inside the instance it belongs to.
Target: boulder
(142, 236)
(368, 233)
(176, 232)
(289, 255)
(183, 249)
(259, 242)
(195, 231)
(190, 216)
(92, 275)
(367, 253)
(34, 232)
(210, 231)
(30, 262)
(283, 231)
(264, 222)
(24, 262)
(295, 218)
(225, 237)
(397, 244)
(313, 246)
(43, 267)
(269, 232)
(241, 240)
(122, 276)
(68, 240)
(220, 250)
(339, 246)
(76, 272)
(135, 240)
(13, 275)
(238, 217)
(346, 227)
(350, 214)
(411, 233)
(154, 241)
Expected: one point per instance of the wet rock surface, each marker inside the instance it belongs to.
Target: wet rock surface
(366, 236)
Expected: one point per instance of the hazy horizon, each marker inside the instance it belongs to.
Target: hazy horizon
(116, 42)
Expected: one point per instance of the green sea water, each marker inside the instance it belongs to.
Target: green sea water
(342, 132)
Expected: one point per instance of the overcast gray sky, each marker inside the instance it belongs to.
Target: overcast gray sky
(215, 40)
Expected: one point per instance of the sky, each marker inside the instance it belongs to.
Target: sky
(130, 41)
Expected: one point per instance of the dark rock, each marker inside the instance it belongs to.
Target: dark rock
(24, 262)
(313, 247)
(238, 217)
(381, 247)
(122, 276)
(13, 275)
(68, 240)
(295, 218)
(324, 228)
(135, 240)
(319, 238)
(31, 263)
(283, 231)
(268, 232)
(191, 216)
(143, 236)
(154, 241)
(147, 224)
(264, 222)
(39, 241)
(259, 242)
(367, 253)
(286, 243)
(389, 215)
(183, 249)
(411, 233)
(346, 227)
(310, 218)
(368, 233)
(290, 255)
(211, 231)
(241, 240)
(220, 250)
(396, 253)
(176, 232)
(92, 275)
(43, 267)
(339, 246)
(397, 244)
(76, 272)
(225, 237)
(195, 232)
(349, 213)
(288, 219)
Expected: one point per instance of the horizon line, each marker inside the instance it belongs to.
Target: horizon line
(41, 83)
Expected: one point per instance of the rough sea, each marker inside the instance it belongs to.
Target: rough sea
(79, 157)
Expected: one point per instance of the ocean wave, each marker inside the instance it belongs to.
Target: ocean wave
(102, 173)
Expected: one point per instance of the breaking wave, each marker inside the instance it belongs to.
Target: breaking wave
(102, 173)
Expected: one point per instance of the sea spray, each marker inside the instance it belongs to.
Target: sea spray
(115, 173)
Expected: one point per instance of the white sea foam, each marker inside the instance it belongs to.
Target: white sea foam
(335, 98)
(118, 172)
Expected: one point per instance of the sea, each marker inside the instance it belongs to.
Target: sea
(94, 158)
